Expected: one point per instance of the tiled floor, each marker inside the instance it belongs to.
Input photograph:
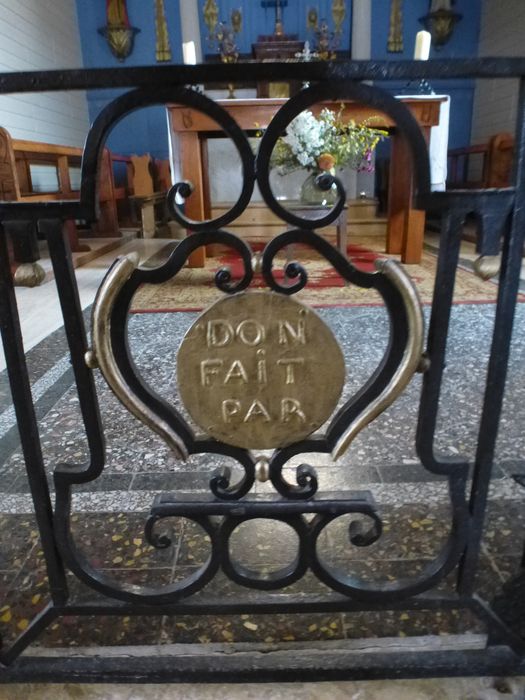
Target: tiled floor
(431, 689)
(110, 512)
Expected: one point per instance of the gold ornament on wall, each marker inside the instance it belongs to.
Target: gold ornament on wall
(338, 14)
(395, 34)
(440, 21)
(236, 20)
(211, 16)
(163, 50)
(312, 19)
(118, 31)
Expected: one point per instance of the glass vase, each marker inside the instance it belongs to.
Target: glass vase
(312, 194)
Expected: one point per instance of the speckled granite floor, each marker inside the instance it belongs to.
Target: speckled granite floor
(110, 513)
(429, 689)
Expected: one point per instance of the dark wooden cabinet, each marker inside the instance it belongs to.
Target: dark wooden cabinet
(277, 48)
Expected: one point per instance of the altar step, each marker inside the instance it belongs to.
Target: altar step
(258, 224)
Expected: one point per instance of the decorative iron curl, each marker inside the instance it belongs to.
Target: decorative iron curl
(307, 483)
(294, 269)
(223, 278)
(221, 486)
(306, 478)
(338, 90)
(104, 583)
(251, 578)
(116, 110)
(156, 539)
(363, 536)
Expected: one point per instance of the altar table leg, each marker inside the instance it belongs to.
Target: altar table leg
(406, 226)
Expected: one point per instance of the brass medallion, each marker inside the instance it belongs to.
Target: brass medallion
(260, 370)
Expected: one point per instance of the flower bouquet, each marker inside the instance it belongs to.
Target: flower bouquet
(320, 144)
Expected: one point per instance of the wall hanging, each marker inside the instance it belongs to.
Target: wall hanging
(440, 21)
(395, 33)
(118, 31)
(326, 42)
(163, 50)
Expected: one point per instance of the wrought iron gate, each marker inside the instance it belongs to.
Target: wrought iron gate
(299, 505)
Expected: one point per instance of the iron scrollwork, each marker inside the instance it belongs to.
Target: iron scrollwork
(298, 504)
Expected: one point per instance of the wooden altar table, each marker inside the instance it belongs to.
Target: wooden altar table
(190, 129)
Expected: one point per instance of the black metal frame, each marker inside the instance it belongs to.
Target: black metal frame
(502, 214)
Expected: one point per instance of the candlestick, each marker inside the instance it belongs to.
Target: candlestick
(188, 53)
(422, 47)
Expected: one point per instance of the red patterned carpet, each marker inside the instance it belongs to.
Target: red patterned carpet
(194, 288)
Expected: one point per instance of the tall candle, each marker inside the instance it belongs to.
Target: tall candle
(188, 52)
(422, 47)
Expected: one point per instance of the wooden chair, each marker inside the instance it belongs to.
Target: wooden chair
(500, 159)
(145, 195)
(495, 168)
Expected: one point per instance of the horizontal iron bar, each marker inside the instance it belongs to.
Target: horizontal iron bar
(266, 605)
(166, 505)
(151, 76)
(279, 665)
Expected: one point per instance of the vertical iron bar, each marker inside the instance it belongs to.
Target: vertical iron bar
(27, 425)
(498, 361)
(449, 247)
(60, 253)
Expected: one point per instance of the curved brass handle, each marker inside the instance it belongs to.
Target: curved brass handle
(102, 354)
(409, 364)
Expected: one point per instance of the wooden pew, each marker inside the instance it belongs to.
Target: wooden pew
(35, 171)
(150, 180)
(494, 169)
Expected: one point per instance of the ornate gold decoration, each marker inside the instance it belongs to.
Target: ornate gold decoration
(211, 16)
(260, 370)
(487, 266)
(118, 32)
(411, 359)
(338, 14)
(395, 34)
(163, 50)
(102, 353)
(236, 20)
(120, 40)
(312, 19)
(440, 23)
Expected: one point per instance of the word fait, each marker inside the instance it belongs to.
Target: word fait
(254, 369)
(253, 373)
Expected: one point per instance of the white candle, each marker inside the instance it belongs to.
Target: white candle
(188, 52)
(422, 47)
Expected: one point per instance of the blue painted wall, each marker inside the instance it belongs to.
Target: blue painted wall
(463, 43)
(148, 126)
(258, 20)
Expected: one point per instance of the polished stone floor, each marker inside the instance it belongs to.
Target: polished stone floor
(430, 689)
(110, 512)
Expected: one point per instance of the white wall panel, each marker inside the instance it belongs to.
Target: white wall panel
(42, 35)
(502, 34)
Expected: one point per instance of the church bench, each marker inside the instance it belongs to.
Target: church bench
(492, 169)
(33, 171)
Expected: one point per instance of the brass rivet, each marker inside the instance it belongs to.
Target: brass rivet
(91, 359)
(424, 363)
(262, 470)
